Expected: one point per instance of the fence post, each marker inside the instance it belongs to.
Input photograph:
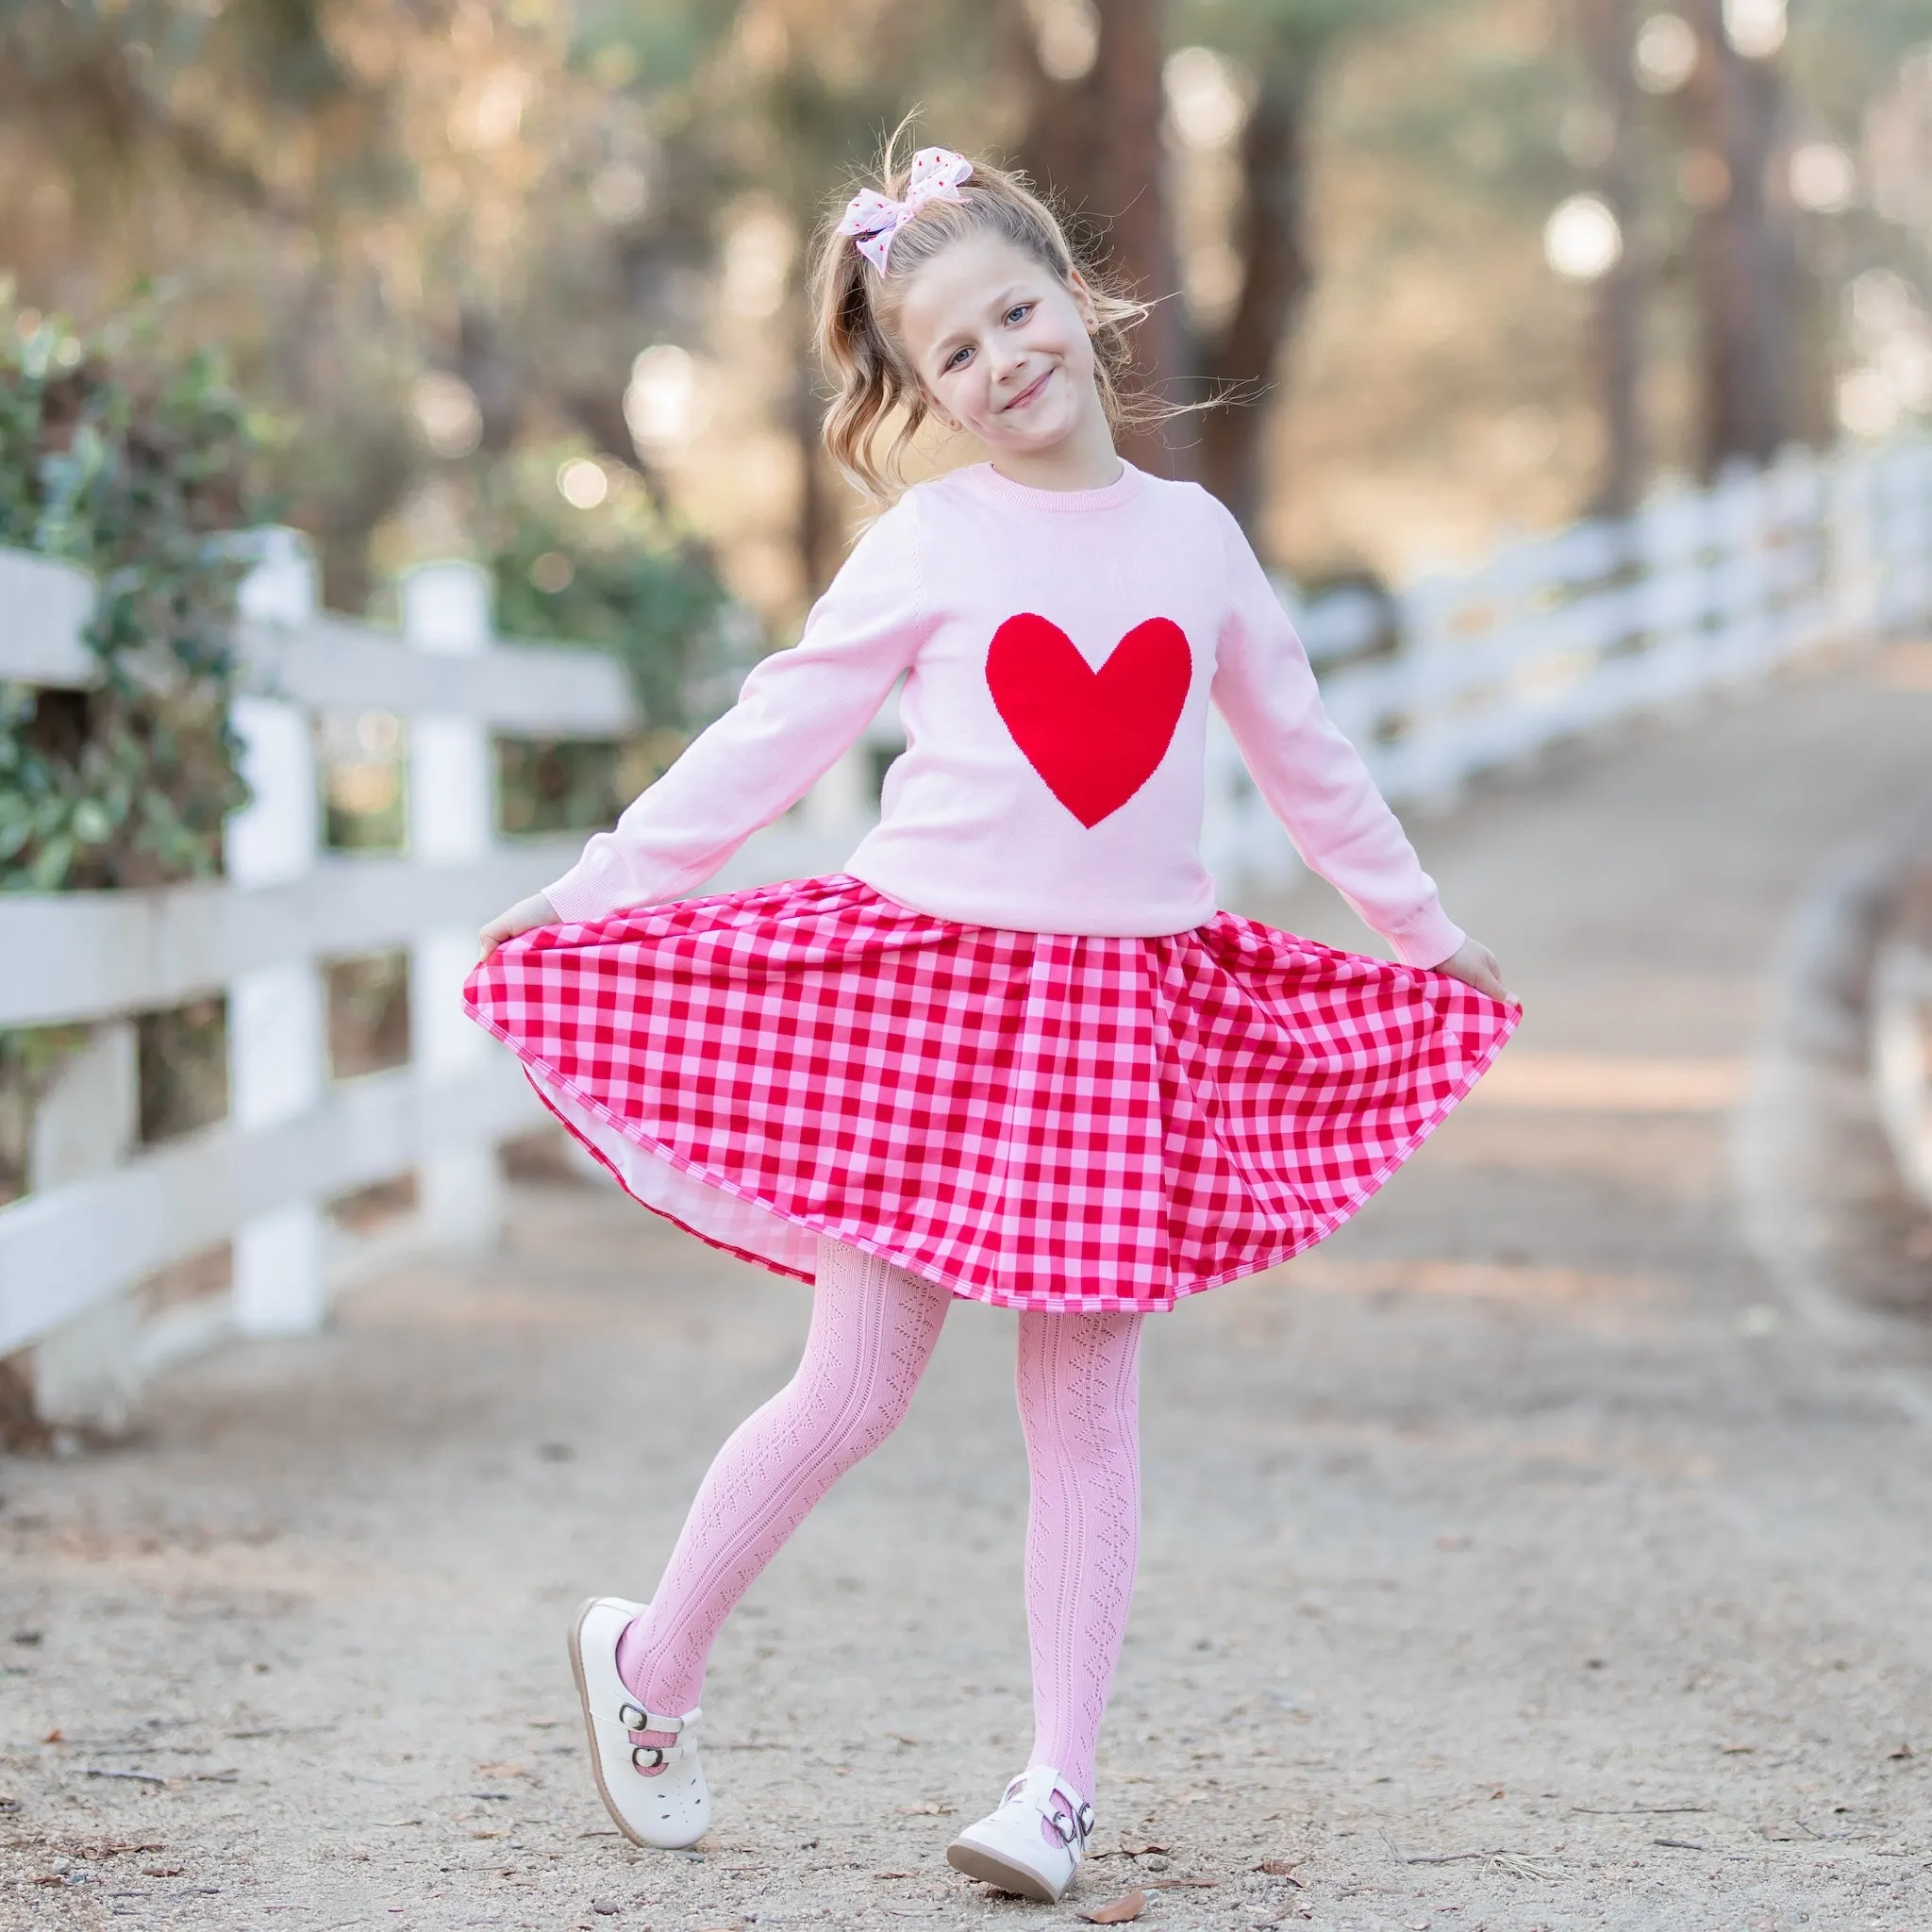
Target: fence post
(277, 1024)
(1739, 647)
(1851, 538)
(1428, 765)
(87, 1373)
(452, 821)
(1911, 463)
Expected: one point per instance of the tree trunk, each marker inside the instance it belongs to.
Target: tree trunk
(1096, 143)
(818, 527)
(1127, 74)
(1741, 260)
(1608, 36)
(1275, 274)
(1059, 145)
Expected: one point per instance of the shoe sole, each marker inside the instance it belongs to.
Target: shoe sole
(991, 1869)
(576, 1669)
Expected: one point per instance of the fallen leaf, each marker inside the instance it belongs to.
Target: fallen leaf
(1139, 1848)
(925, 1810)
(1736, 1750)
(1131, 1905)
(53, 1737)
(502, 1771)
(895, 1875)
(162, 1871)
(1903, 1750)
(900, 1738)
(541, 1723)
(1280, 1868)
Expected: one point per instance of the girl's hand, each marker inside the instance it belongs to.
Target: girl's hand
(1476, 965)
(524, 916)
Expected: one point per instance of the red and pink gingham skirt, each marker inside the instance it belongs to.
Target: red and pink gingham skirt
(1036, 1120)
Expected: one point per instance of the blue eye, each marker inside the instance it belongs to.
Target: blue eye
(1019, 309)
(958, 357)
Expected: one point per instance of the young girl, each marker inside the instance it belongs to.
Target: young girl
(1013, 1051)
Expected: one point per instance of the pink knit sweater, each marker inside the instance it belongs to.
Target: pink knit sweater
(1059, 651)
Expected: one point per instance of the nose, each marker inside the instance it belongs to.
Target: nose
(1009, 364)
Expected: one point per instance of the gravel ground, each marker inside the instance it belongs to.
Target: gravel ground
(1516, 1560)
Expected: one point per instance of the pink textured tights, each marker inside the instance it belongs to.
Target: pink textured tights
(872, 1331)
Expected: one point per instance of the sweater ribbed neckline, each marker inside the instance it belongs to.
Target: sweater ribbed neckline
(990, 484)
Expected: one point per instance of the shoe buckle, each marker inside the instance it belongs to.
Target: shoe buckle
(1070, 1825)
(634, 1717)
(657, 1753)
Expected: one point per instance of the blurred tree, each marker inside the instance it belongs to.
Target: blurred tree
(352, 193)
(1089, 76)
(798, 102)
(618, 573)
(1095, 135)
(441, 235)
(1743, 255)
(1282, 45)
(1605, 140)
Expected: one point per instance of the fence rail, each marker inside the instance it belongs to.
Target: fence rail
(1550, 638)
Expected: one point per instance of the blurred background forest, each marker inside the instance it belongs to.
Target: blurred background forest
(520, 278)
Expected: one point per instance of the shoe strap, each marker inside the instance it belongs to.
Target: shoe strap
(634, 1717)
(654, 1758)
(1070, 1815)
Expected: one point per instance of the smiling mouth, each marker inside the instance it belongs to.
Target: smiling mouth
(1028, 393)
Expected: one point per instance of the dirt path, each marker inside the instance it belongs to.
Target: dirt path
(1512, 1563)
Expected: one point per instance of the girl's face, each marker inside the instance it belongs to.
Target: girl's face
(1001, 346)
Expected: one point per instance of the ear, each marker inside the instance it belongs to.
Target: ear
(1083, 301)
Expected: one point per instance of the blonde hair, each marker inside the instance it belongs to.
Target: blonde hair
(856, 312)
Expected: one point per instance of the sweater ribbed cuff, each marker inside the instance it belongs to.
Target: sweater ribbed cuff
(579, 897)
(1429, 942)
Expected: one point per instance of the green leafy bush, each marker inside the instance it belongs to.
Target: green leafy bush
(138, 472)
(620, 576)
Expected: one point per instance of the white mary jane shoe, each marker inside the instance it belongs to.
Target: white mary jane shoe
(1033, 1843)
(656, 1793)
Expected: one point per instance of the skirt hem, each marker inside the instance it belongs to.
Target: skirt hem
(872, 1244)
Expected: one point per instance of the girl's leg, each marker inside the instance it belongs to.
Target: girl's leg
(1079, 1407)
(872, 1331)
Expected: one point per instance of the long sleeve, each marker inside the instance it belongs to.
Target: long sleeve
(1313, 778)
(799, 711)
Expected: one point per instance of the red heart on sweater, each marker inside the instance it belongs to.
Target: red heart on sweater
(1094, 737)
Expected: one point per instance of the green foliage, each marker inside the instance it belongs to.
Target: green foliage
(137, 472)
(30, 1060)
(622, 576)
(618, 575)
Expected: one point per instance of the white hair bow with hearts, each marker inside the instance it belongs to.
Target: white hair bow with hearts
(873, 219)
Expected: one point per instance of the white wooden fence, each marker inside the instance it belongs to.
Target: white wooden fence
(1551, 637)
